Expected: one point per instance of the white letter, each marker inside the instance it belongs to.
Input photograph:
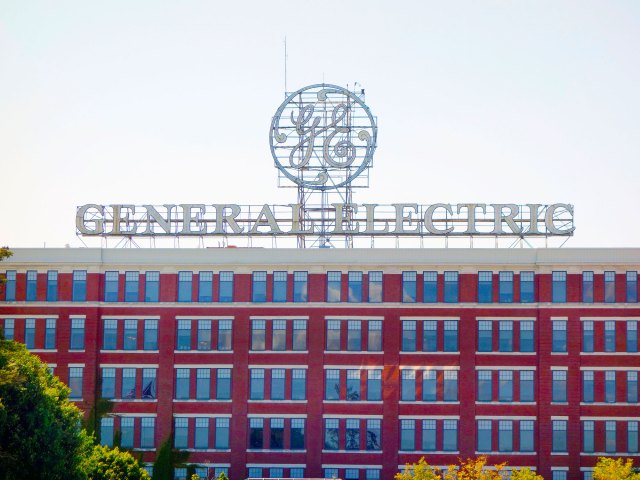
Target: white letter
(269, 221)
(371, 221)
(222, 217)
(428, 219)
(187, 218)
(81, 223)
(154, 216)
(401, 217)
(549, 220)
(340, 218)
(498, 217)
(471, 215)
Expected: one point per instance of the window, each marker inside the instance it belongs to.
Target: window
(374, 336)
(110, 336)
(181, 432)
(333, 335)
(299, 286)
(505, 336)
(373, 434)
(558, 475)
(280, 286)
(526, 436)
(408, 335)
(428, 435)
(353, 385)
(632, 387)
(150, 335)
(610, 437)
(147, 432)
(9, 328)
(450, 435)
(407, 435)
(126, 432)
(527, 287)
(131, 286)
(526, 336)
(183, 341)
(375, 287)
(429, 336)
(224, 335)
(205, 287)
(111, 286)
(587, 287)
(258, 334)
(255, 472)
(451, 287)
(450, 336)
(408, 386)
(632, 437)
(331, 434)
(610, 336)
(50, 334)
(559, 287)
(330, 473)
(352, 434)
(256, 390)
(108, 383)
(32, 286)
(485, 287)
(185, 280)
(296, 439)
(223, 384)
(484, 436)
(587, 386)
(277, 384)
(182, 383)
(632, 336)
(372, 474)
(351, 474)
(152, 287)
(75, 382)
(430, 287)
(259, 287)
(279, 335)
(408, 287)
(355, 287)
(222, 433)
(334, 286)
(77, 334)
(299, 335)
(450, 386)
(30, 333)
(374, 385)
(106, 431)
(505, 288)
(429, 386)
(505, 385)
(201, 440)
(204, 335)
(148, 383)
(130, 340)
(526, 386)
(559, 336)
(632, 287)
(79, 286)
(559, 436)
(485, 336)
(203, 384)
(609, 287)
(484, 386)
(52, 286)
(10, 286)
(332, 385)
(505, 436)
(558, 385)
(298, 384)
(354, 335)
(587, 336)
(610, 386)
(128, 383)
(276, 472)
(276, 439)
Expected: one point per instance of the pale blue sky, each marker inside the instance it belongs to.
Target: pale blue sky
(170, 102)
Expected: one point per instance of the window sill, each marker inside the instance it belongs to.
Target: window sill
(421, 402)
(358, 402)
(207, 450)
(200, 351)
(560, 454)
(129, 351)
(193, 400)
(276, 450)
(133, 400)
(505, 453)
(352, 451)
(43, 350)
(277, 351)
(430, 452)
(352, 352)
(277, 401)
(428, 353)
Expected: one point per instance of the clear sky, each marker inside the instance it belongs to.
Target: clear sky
(171, 102)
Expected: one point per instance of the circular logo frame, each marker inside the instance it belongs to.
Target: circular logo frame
(322, 137)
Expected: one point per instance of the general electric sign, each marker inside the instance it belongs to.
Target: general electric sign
(322, 139)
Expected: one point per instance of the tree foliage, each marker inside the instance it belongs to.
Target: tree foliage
(39, 426)
(167, 458)
(113, 464)
(4, 253)
(525, 474)
(470, 469)
(615, 469)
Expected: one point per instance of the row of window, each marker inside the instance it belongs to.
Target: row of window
(135, 432)
(609, 386)
(360, 287)
(352, 434)
(610, 436)
(276, 433)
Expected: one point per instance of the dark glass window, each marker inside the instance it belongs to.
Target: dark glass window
(299, 286)
(30, 333)
(587, 336)
(152, 287)
(277, 384)
(296, 435)
(352, 434)
(77, 334)
(355, 287)
(128, 383)
(332, 385)
(223, 384)
(409, 287)
(108, 383)
(587, 386)
(485, 287)
(526, 436)
(205, 287)
(354, 335)
(32, 285)
(609, 287)
(587, 287)
(131, 286)
(505, 336)
(257, 384)
(182, 383)
(559, 287)
(79, 287)
(334, 286)
(632, 336)
(148, 383)
(505, 436)
(527, 287)
(224, 335)
(505, 386)
(50, 334)
(632, 287)
(526, 386)
(258, 334)
(353, 385)
(375, 287)
(52, 286)
(259, 287)
(256, 433)
(374, 385)
(429, 287)
(484, 386)
(333, 335)
(150, 335)
(559, 386)
(276, 437)
(183, 339)
(331, 434)
(299, 341)
(130, 340)
(298, 384)
(185, 281)
(110, 335)
(429, 336)
(111, 286)
(610, 336)
(279, 286)
(526, 336)
(374, 434)
(450, 336)
(451, 287)
(10, 286)
(204, 334)
(559, 336)
(505, 287)
(485, 336)
(429, 386)
(484, 436)
(408, 335)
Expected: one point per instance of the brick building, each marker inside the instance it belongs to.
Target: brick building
(345, 362)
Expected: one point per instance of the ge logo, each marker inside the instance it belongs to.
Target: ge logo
(323, 137)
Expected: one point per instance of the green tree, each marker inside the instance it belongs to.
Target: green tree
(419, 471)
(615, 469)
(113, 464)
(39, 426)
(525, 474)
(4, 253)
(167, 458)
